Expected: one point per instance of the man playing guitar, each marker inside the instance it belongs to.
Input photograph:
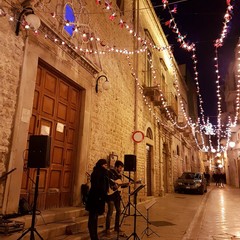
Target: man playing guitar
(114, 196)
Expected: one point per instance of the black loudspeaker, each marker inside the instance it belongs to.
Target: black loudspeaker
(130, 163)
(39, 151)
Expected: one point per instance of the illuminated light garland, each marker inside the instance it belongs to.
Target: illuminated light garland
(141, 91)
(194, 58)
(196, 129)
(227, 18)
(148, 43)
(108, 49)
(139, 38)
(58, 41)
(165, 3)
(173, 25)
(162, 98)
(181, 39)
(188, 120)
(188, 47)
(219, 99)
(183, 44)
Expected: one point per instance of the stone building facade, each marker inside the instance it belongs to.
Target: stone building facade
(231, 97)
(49, 79)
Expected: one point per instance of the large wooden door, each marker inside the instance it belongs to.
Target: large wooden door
(55, 113)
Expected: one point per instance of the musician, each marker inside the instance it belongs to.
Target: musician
(114, 196)
(97, 196)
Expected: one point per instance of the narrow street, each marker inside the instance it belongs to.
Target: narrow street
(214, 215)
(218, 216)
(176, 216)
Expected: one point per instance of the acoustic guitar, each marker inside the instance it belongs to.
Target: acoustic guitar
(118, 185)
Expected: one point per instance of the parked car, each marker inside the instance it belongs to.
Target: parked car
(191, 181)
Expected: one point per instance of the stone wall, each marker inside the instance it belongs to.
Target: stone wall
(11, 58)
(112, 115)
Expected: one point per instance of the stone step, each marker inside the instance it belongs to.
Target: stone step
(61, 223)
(52, 215)
(53, 223)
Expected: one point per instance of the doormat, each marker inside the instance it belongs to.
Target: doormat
(162, 223)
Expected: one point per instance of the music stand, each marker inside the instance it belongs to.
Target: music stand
(134, 193)
(129, 204)
(32, 229)
(147, 229)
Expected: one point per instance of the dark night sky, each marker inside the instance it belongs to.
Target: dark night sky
(202, 22)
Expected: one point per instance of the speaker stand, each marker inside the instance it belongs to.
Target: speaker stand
(32, 229)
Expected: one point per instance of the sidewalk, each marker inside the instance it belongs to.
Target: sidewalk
(170, 217)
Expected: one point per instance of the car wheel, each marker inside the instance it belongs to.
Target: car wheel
(201, 190)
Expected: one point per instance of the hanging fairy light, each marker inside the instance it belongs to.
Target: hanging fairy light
(145, 45)
(227, 18)
(194, 58)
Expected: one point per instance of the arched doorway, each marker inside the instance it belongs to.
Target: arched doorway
(165, 167)
(149, 153)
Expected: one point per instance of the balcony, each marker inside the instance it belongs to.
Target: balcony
(157, 97)
(152, 92)
(171, 101)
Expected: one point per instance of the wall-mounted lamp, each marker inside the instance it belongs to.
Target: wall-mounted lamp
(232, 144)
(31, 20)
(105, 84)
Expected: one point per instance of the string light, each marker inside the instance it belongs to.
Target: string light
(183, 44)
(145, 45)
(227, 18)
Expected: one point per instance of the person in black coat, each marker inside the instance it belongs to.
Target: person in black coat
(97, 196)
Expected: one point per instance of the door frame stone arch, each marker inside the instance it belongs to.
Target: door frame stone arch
(149, 163)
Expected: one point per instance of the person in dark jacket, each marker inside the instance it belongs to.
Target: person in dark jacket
(97, 196)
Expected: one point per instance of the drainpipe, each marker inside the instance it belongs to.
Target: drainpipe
(136, 66)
